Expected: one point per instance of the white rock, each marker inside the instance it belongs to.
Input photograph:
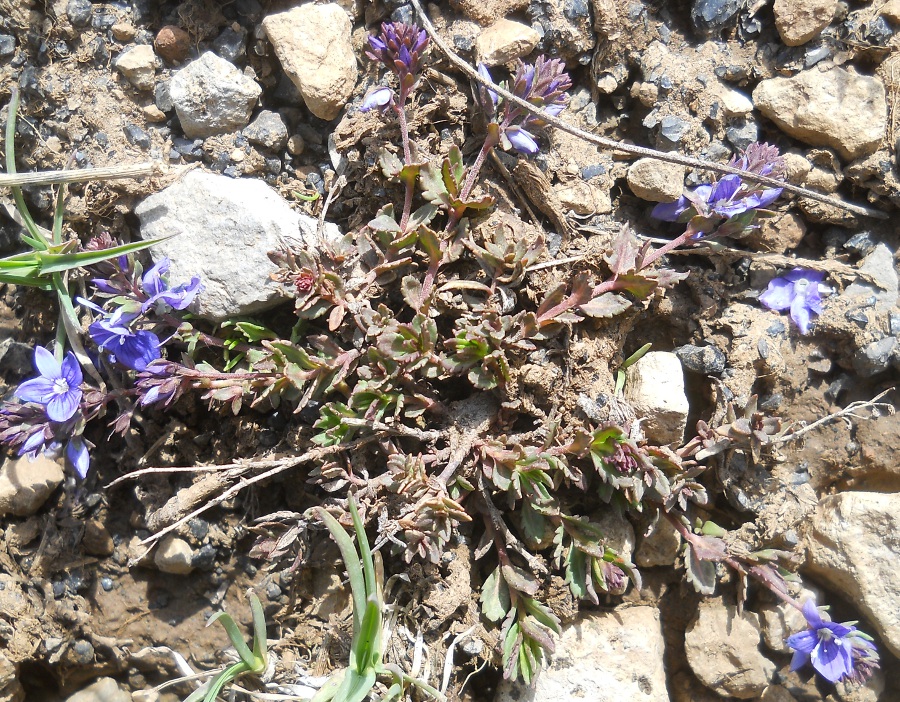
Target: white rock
(104, 690)
(139, 65)
(855, 546)
(838, 108)
(174, 556)
(25, 484)
(655, 388)
(660, 547)
(225, 228)
(312, 43)
(723, 651)
(604, 657)
(211, 96)
(505, 41)
(655, 180)
(734, 103)
(878, 266)
(798, 21)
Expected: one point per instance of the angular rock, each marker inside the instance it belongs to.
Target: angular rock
(854, 546)
(618, 534)
(798, 21)
(225, 227)
(777, 234)
(11, 689)
(312, 43)
(723, 651)
(877, 266)
(708, 360)
(25, 484)
(734, 103)
(660, 547)
(606, 656)
(655, 388)
(505, 41)
(268, 130)
(174, 556)
(104, 690)
(655, 180)
(712, 16)
(875, 357)
(838, 108)
(211, 97)
(139, 65)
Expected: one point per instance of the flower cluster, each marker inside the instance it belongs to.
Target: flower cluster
(837, 651)
(798, 291)
(400, 48)
(543, 84)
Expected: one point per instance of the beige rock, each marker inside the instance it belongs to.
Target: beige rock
(153, 114)
(104, 690)
(25, 484)
(659, 547)
(777, 234)
(734, 102)
(656, 181)
(776, 693)
(605, 656)
(796, 167)
(174, 556)
(891, 10)
(139, 65)
(798, 21)
(123, 31)
(11, 689)
(855, 546)
(488, 11)
(838, 108)
(312, 43)
(655, 388)
(505, 41)
(723, 651)
(583, 198)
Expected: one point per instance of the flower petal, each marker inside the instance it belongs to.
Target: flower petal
(522, 141)
(45, 363)
(152, 281)
(803, 642)
(671, 211)
(800, 313)
(832, 660)
(379, 97)
(136, 351)
(77, 453)
(778, 296)
(63, 405)
(725, 189)
(38, 390)
(71, 370)
(811, 613)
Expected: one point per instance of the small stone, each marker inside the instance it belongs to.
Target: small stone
(660, 546)
(81, 653)
(706, 360)
(212, 97)
(162, 97)
(878, 266)
(153, 114)
(268, 130)
(655, 180)
(583, 198)
(673, 129)
(138, 65)
(798, 21)
(231, 44)
(741, 133)
(173, 43)
(777, 234)
(891, 11)
(123, 31)
(505, 41)
(489, 11)
(312, 42)
(96, 539)
(655, 388)
(15, 357)
(26, 484)
(7, 45)
(875, 357)
(79, 12)
(104, 690)
(137, 136)
(837, 108)
(734, 103)
(722, 649)
(712, 16)
(174, 556)
(296, 145)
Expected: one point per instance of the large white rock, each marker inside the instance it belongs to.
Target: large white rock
(604, 657)
(837, 108)
(211, 97)
(855, 546)
(312, 42)
(723, 651)
(225, 229)
(25, 484)
(655, 388)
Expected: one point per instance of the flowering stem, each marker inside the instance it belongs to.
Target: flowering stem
(407, 157)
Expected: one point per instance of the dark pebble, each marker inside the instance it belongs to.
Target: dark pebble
(82, 653)
(273, 166)
(576, 10)
(59, 589)
(273, 592)
(199, 528)
(79, 12)
(772, 402)
(205, 557)
(188, 147)
(894, 323)
(673, 129)
(99, 50)
(107, 583)
(231, 172)
(593, 171)
(858, 317)
(15, 357)
(231, 45)
(404, 13)
(777, 328)
(712, 16)
(101, 138)
(861, 243)
(103, 21)
(815, 54)
(7, 45)
(162, 97)
(706, 360)
(878, 31)
(137, 136)
(741, 133)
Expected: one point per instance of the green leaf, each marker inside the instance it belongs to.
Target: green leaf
(351, 563)
(495, 601)
(421, 216)
(57, 263)
(520, 579)
(701, 574)
(411, 289)
(638, 285)
(605, 306)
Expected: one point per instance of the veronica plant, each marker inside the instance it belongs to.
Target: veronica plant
(797, 291)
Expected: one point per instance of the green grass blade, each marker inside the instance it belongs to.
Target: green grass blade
(58, 215)
(366, 647)
(234, 635)
(260, 644)
(328, 691)
(365, 552)
(351, 563)
(57, 263)
(36, 236)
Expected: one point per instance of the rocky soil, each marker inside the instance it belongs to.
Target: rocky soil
(250, 109)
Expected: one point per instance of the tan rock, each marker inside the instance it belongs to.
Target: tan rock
(312, 43)
(655, 180)
(659, 547)
(777, 234)
(734, 102)
(891, 10)
(173, 43)
(798, 21)
(583, 198)
(488, 11)
(838, 108)
(505, 41)
(104, 690)
(25, 484)
(655, 388)
(174, 556)
(139, 65)
(11, 689)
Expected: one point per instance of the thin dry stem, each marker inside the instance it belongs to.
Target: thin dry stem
(848, 411)
(78, 176)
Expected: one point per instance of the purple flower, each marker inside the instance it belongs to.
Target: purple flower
(158, 289)
(521, 140)
(835, 650)
(26, 428)
(797, 291)
(159, 383)
(132, 349)
(382, 98)
(727, 198)
(400, 48)
(57, 387)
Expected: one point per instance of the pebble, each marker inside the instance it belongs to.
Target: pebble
(174, 556)
(505, 41)
(861, 243)
(267, 130)
(312, 42)
(655, 180)
(706, 360)
(837, 108)
(15, 357)
(884, 293)
(212, 97)
(660, 547)
(734, 103)
(79, 12)
(153, 114)
(875, 357)
(712, 16)
(123, 31)
(798, 21)
(137, 136)
(231, 44)
(296, 145)
(7, 45)
(173, 43)
(138, 65)
(162, 97)
(673, 129)
(26, 484)
(655, 388)
(205, 557)
(215, 217)
(104, 690)
(741, 133)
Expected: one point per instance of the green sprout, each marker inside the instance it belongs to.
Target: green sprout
(630, 361)
(251, 661)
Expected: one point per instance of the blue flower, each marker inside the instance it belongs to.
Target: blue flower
(382, 98)
(159, 291)
(522, 140)
(835, 650)
(797, 291)
(400, 48)
(727, 198)
(132, 349)
(25, 427)
(57, 387)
